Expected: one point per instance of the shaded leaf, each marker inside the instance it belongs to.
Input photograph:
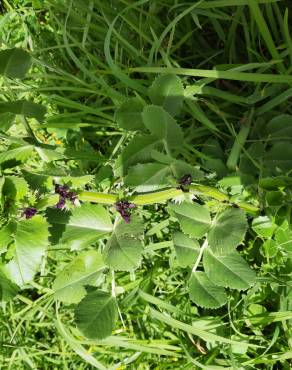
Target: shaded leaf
(8, 289)
(14, 63)
(167, 91)
(96, 314)
(82, 270)
(162, 125)
(204, 292)
(15, 187)
(229, 271)
(129, 115)
(25, 108)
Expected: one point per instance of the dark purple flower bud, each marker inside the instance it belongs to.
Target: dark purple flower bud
(185, 180)
(72, 196)
(123, 207)
(29, 212)
(61, 203)
(62, 190)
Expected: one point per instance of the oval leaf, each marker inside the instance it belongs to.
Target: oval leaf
(229, 271)
(227, 231)
(96, 314)
(186, 249)
(194, 219)
(14, 63)
(124, 249)
(129, 115)
(204, 292)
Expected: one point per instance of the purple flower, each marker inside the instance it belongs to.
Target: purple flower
(65, 193)
(185, 180)
(29, 212)
(124, 207)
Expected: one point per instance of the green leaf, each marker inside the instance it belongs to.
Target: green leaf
(137, 151)
(162, 125)
(8, 289)
(168, 92)
(25, 108)
(204, 292)
(6, 121)
(186, 249)
(129, 115)
(6, 236)
(227, 231)
(18, 154)
(15, 187)
(86, 225)
(193, 218)
(14, 63)
(148, 177)
(96, 314)
(83, 270)
(264, 226)
(124, 249)
(31, 240)
(229, 271)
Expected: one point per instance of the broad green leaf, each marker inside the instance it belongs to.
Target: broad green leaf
(229, 271)
(8, 289)
(129, 115)
(6, 236)
(181, 168)
(264, 226)
(86, 225)
(124, 249)
(6, 121)
(193, 218)
(25, 108)
(18, 154)
(227, 231)
(204, 292)
(280, 127)
(31, 241)
(137, 151)
(148, 177)
(163, 126)
(186, 249)
(58, 219)
(168, 92)
(84, 269)
(96, 314)
(15, 187)
(14, 63)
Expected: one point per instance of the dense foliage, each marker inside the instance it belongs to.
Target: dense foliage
(146, 156)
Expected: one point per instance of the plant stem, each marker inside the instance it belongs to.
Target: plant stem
(203, 247)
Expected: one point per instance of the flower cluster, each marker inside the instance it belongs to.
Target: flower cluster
(123, 207)
(65, 193)
(29, 212)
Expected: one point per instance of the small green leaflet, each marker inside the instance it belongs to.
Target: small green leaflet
(6, 236)
(227, 231)
(14, 63)
(163, 126)
(264, 226)
(31, 241)
(204, 292)
(124, 249)
(148, 177)
(86, 225)
(137, 151)
(96, 314)
(186, 249)
(168, 92)
(129, 115)
(85, 269)
(193, 218)
(25, 108)
(229, 271)
(15, 187)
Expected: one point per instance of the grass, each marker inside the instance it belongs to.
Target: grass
(234, 59)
